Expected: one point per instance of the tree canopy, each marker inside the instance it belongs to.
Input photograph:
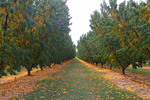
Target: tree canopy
(34, 32)
(119, 36)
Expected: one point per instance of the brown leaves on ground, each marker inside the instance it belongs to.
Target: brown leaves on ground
(139, 84)
(23, 84)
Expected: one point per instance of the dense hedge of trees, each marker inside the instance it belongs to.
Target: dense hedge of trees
(34, 32)
(119, 36)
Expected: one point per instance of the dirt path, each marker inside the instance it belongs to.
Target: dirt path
(133, 82)
(24, 84)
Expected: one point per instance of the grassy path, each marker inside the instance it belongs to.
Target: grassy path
(25, 84)
(78, 82)
(137, 83)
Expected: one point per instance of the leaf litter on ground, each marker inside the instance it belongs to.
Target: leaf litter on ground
(137, 83)
(25, 84)
(76, 81)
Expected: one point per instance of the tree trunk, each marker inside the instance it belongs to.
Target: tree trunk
(6, 22)
(96, 63)
(50, 66)
(102, 65)
(110, 67)
(29, 74)
(41, 68)
(93, 62)
(123, 71)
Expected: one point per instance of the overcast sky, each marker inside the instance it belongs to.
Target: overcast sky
(80, 11)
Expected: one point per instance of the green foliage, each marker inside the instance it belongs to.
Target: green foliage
(139, 71)
(34, 32)
(120, 35)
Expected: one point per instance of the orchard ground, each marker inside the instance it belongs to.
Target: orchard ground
(77, 79)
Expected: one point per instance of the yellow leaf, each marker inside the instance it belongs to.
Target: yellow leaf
(20, 15)
(112, 98)
(149, 20)
(134, 97)
(17, 2)
(11, 39)
(26, 29)
(27, 42)
(42, 97)
(64, 92)
(34, 27)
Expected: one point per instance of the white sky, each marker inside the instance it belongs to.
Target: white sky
(80, 11)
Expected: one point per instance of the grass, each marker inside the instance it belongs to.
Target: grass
(23, 69)
(77, 82)
(17, 73)
(136, 71)
(139, 71)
